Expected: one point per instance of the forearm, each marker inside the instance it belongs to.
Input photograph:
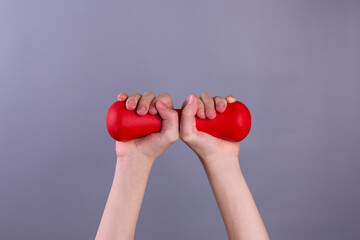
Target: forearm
(238, 209)
(124, 202)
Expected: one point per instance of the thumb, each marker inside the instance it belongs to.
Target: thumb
(187, 120)
(170, 122)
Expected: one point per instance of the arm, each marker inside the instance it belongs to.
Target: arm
(238, 209)
(220, 160)
(124, 202)
(134, 162)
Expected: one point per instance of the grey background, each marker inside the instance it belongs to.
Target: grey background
(295, 64)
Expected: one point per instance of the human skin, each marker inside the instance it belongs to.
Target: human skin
(220, 160)
(133, 165)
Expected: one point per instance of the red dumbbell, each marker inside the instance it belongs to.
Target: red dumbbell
(233, 124)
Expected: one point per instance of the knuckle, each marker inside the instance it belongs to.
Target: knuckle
(164, 94)
(131, 98)
(165, 97)
(220, 99)
(207, 100)
(209, 104)
(205, 95)
(135, 96)
(148, 93)
(144, 102)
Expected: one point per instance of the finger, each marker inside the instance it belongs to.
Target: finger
(185, 101)
(122, 97)
(220, 104)
(152, 108)
(209, 105)
(132, 101)
(165, 98)
(144, 103)
(201, 110)
(170, 123)
(230, 98)
(187, 120)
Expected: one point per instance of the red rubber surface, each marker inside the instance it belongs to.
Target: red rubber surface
(233, 124)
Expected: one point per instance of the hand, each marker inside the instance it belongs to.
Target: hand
(220, 159)
(151, 146)
(207, 147)
(133, 166)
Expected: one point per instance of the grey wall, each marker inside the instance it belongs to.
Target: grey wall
(296, 64)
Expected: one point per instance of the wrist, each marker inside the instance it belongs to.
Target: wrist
(216, 152)
(133, 167)
(134, 161)
(220, 163)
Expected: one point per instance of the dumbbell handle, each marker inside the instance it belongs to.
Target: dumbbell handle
(233, 124)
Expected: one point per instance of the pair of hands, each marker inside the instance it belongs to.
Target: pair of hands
(207, 147)
(219, 157)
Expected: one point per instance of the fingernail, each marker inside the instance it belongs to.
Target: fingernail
(202, 113)
(162, 105)
(231, 99)
(191, 99)
(211, 113)
(142, 109)
(131, 105)
(220, 105)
